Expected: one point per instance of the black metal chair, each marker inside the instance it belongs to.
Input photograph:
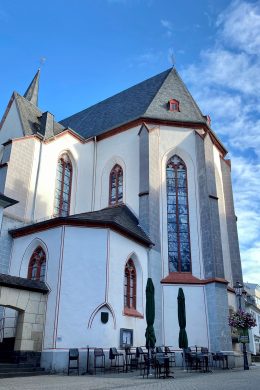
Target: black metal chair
(99, 359)
(140, 355)
(148, 364)
(171, 354)
(73, 356)
(131, 361)
(117, 358)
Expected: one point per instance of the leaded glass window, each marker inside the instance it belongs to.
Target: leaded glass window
(130, 285)
(178, 216)
(116, 185)
(63, 187)
(37, 265)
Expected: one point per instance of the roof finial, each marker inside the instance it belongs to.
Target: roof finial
(171, 57)
(32, 91)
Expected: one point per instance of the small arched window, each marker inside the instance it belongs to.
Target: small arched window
(130, 285)
(178, 216)
(63, 187)
(116, 185)
(37, 265)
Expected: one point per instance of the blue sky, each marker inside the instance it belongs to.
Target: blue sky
(94, 49)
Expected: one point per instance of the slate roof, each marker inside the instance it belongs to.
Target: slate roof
(147, 99)
(32, 91)
(23, 283)
(5, 201)
(119, 218)
(30, 116)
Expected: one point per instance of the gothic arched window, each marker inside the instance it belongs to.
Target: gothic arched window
(37, 265)
(178, 216)
(130, 285)
(63, 187)
(116, 185)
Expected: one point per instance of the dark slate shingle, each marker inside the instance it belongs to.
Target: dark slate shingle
(23, 283)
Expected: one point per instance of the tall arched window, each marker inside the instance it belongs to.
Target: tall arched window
(178, 216)
(130, 285)
(63, 187)
(37, 265)
(116, 185)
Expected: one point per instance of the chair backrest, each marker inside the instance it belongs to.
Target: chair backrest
(73, 354)
(139, 351)
(204, 350)
(112, 353)
(159, 350)
(98, 352)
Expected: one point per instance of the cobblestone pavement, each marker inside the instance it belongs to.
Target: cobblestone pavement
(219, 380)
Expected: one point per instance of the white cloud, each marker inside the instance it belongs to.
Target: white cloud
(240, 26)
(168, 26)
(228, 90)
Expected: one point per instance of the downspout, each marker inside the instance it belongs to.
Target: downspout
(94, 174)
(36, 183)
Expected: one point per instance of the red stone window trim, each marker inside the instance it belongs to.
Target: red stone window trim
(174, 105)
(130, 286)
(37, 265)
(116, 185)
(63, 187)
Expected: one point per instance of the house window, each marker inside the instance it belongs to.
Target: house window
(116, 185)
(174, 105)
(178, 216)
(37, 265)
(130, 285)
(63, 187)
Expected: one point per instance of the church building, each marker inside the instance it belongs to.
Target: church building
(135, 186)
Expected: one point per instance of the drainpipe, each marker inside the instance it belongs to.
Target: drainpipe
(94, 174)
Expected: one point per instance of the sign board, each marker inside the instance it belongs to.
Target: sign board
(244, 339)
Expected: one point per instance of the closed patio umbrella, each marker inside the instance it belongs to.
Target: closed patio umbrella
(150, 314)
(183, 339)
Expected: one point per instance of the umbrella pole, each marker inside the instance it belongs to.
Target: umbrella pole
(184, 360)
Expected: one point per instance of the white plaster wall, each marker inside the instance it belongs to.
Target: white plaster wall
(121, 249)
(12, 127)
(123, 149)
(83, 284)
(196, 315)
(23, 248)
(181, 142)
(82, 159)
(222, 218)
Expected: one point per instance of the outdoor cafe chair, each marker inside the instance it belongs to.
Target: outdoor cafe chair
(131, 360)
(117, 358)
(99, 359)
(171, 354)
(162, 366)
(73, 357)
(140, 355)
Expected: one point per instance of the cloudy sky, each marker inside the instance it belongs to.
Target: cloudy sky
(89, 50)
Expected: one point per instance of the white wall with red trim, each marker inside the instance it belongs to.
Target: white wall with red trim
(85, 274)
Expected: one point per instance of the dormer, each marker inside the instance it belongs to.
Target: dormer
(173, 105)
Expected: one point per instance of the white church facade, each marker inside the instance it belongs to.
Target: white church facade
(133, 187)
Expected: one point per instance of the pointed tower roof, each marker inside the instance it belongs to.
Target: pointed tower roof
(148, 99)
(31, 93)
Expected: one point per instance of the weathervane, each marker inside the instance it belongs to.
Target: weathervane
(42, 61)
(171, 57)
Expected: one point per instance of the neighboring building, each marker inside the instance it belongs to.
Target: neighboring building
(252, 302)
(135, 185)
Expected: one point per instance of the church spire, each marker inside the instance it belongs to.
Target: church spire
(31, 93)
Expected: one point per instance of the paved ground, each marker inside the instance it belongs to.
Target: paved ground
(219, 380)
